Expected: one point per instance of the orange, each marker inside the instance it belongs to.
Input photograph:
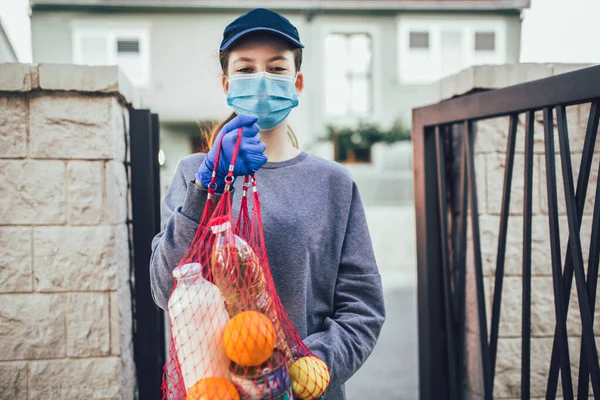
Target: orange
(213, 389)
(310, 378)
(249, 338)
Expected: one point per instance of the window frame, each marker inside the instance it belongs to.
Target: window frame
(468, 26)
(368, 76)
(112, 33)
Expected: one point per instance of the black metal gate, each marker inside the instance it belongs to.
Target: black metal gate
(443, 141)
(149, 336)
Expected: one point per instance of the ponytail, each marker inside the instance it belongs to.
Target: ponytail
(292, 137)
(211, 136)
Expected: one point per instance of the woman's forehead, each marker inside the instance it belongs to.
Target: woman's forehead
(261, 52)
(261, 45)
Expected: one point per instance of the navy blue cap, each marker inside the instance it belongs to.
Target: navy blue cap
(260, 19)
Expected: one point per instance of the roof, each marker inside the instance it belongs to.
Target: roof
(391, 5)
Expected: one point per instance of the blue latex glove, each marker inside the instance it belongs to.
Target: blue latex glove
(250, 156)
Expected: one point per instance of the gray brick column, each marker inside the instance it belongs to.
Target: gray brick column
(65, 320)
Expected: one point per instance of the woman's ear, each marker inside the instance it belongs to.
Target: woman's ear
(300, 82)
(225, 83)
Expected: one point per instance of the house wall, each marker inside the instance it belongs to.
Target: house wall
(408, 95)
(67, 325)
(185, 71)
(185, 76)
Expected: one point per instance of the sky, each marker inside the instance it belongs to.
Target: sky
(560, 31)
(552, 30)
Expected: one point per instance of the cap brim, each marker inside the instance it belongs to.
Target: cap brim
(238, 36)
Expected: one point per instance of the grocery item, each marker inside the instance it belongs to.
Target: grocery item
(213, 389)
(310, 378)
(237, 273)
(249, 338)
(198, 319)
(269, 380)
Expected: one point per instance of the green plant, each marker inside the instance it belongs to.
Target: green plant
(366, 134)
(354, 143)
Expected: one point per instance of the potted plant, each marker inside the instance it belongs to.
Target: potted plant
(353, 144)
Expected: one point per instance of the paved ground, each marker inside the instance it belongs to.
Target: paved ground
(391, 373)
(392, 370)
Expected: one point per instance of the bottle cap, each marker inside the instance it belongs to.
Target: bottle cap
(225, 226)
(187, 270)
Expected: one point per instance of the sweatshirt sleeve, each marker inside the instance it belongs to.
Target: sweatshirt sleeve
(181, 211)
(349, 336)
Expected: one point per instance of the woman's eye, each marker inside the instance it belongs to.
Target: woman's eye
(245, 70)
(278, 69)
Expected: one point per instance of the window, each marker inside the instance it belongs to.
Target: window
(430, 48)
(127, 48)
(419, 40)
(349, 82)
(485, 41)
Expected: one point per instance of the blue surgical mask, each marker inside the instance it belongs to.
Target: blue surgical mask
(270, 97)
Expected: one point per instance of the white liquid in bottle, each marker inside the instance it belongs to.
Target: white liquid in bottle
(198, 318)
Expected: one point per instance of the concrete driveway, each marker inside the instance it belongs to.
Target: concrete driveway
(391, 373)
(392, 370)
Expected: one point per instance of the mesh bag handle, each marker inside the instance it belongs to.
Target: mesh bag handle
(243, 223)
(212, 187)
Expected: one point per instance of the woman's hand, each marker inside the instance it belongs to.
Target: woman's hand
(250, 156)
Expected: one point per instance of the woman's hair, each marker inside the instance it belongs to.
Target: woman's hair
(211, 136)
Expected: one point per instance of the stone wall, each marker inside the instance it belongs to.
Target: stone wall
(491, 136)
(65, 287)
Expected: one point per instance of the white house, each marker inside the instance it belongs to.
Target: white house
(364, 60)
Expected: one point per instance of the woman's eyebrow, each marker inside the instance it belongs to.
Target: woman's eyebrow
(277, 58)
(244, 59)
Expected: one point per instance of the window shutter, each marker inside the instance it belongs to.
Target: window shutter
(128, 46)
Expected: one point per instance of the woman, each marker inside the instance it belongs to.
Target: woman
(316, 234)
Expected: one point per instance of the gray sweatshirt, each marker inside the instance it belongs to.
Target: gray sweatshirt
(319, 251)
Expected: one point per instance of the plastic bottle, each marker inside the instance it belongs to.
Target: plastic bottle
(237, 272)
(198, 318)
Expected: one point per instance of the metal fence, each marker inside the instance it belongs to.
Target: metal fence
(442, 235)
(149, 336)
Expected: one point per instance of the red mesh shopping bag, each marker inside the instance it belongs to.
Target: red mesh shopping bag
(230, 335)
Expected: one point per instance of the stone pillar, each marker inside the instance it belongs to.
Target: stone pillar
(65, 273)
(490, 147)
